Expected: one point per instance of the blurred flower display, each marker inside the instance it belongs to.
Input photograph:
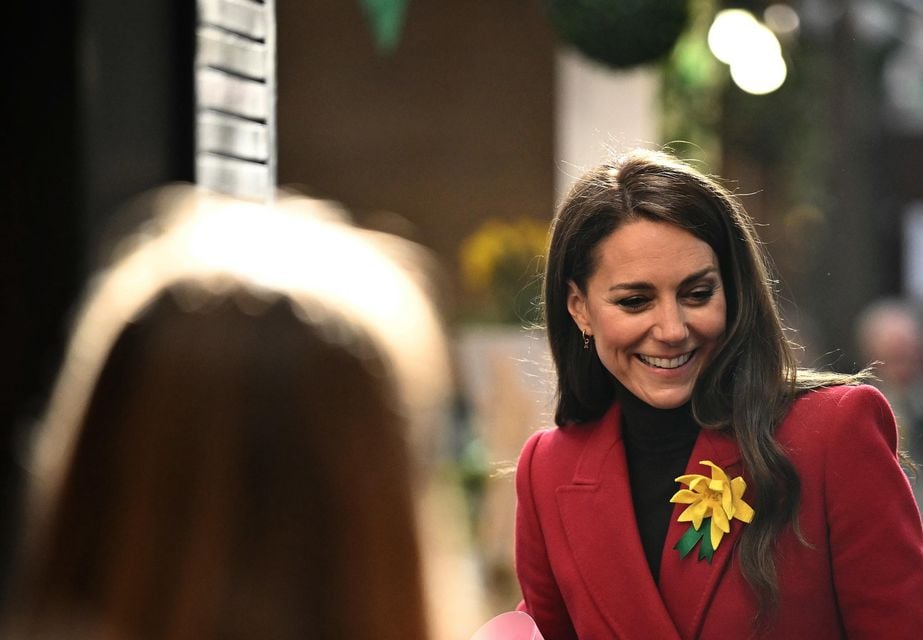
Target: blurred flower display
(501, 263)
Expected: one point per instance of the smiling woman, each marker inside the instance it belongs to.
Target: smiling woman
(671, 361)
(655, 309)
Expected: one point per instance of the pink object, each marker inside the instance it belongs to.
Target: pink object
(512, 625)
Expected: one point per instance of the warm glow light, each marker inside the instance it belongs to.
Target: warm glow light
(750, 48)
(759, 75)
(730, 32)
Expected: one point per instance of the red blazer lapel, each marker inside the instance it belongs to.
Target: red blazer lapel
(599, 524)
(687, 585)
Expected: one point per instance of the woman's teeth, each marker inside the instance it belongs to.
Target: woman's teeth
(666, 363)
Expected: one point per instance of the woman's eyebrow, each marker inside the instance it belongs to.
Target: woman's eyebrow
(642, 286)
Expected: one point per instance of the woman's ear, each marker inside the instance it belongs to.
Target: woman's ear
(576, 306)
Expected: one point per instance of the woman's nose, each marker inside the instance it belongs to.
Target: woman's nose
(670, 326)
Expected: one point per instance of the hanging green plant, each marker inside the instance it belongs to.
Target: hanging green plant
(619, 33)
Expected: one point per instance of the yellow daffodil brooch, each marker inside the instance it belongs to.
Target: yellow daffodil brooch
(714, 501)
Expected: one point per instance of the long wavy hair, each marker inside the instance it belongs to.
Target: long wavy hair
(750, 383)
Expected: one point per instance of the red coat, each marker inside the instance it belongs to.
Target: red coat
(584, 575)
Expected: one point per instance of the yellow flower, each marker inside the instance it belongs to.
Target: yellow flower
(480, 253)
(500, 265)
(716, 497)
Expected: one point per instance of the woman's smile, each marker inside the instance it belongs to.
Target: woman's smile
(666, 362)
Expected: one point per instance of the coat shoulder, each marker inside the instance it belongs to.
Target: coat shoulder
(827, 414)
(838, 401)
(560, 441)
(554, 454)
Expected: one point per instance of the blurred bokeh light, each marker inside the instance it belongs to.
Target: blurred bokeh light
(751, 49)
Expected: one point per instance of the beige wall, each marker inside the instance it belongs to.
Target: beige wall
(598, 109)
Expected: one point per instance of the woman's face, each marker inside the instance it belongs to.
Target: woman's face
(656, 309)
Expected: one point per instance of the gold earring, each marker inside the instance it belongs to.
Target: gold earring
(586, 340)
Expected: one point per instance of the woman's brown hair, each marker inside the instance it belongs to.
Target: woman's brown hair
(750, 383)
(239, 464)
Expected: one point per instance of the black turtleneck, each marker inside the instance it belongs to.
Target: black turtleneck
(658, 443)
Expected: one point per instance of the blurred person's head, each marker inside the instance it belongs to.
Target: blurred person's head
(226, 452)
(889, 333)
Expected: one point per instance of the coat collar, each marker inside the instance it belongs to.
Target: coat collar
(599, 523)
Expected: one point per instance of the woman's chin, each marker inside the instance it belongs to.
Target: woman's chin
(663, 398)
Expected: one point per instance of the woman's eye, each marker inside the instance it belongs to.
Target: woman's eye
(701, 295)
(632, 302)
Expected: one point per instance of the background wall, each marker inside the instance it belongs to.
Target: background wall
(454, 127)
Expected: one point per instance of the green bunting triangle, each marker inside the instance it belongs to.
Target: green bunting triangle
(386, 19)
